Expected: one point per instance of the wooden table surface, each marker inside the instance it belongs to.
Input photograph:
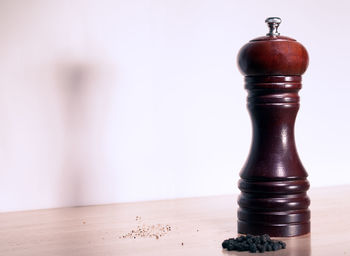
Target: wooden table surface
(201, 224)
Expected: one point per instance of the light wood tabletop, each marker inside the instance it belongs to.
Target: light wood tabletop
(194, 226)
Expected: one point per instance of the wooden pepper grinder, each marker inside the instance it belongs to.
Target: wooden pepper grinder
(273, 182)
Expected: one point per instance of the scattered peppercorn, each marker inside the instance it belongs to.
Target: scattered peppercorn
(253, 244)
(147, 231)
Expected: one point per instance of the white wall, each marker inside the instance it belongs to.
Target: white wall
(111, 101)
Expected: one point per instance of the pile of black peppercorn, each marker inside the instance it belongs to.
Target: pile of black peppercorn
(253, 244)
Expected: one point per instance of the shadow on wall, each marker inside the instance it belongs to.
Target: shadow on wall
(57, 84)
(85, 93)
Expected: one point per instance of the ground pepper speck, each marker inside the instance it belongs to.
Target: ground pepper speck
(147, 231)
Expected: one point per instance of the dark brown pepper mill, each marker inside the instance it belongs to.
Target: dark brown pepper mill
(273, 181)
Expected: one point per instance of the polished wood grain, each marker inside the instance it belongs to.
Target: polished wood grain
(273, 56)
(273, 180)
(201, 224)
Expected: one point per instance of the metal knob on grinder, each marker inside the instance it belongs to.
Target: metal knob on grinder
(273, 23)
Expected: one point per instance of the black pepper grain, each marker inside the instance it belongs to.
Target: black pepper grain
(253, 244)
